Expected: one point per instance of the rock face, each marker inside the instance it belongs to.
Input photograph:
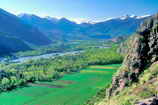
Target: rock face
(142, 52)
(150, 101)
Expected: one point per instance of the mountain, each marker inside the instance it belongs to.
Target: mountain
(136, 81)
(125, 25)
(55, 29)
(64, 29)
(11, 44)
(14, 27)
(32, 30)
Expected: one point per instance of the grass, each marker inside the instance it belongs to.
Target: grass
(144, 89)
(73, 89)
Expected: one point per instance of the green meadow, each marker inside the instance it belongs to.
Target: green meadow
(72, 89)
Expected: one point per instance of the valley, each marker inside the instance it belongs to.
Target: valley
(58, 80)
(84, 52)
(28, 32)
(71, 89)
(44, 56)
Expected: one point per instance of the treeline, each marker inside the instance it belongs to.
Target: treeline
(15, 75)
(58, 47)
(103, 56)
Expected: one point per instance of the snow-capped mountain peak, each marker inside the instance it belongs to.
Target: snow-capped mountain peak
(127, 17)
(52, 18)
(144, 16)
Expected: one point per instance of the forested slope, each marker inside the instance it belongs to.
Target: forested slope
(11, 44)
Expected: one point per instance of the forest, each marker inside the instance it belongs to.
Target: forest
(17, 75)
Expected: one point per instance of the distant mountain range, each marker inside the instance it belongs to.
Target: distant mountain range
(65, 29)
(12, 25)
(15, 35)
(19, 32)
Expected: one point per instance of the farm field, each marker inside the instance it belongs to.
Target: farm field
(72, 89)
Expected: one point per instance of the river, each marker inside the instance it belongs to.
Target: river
(27, 58)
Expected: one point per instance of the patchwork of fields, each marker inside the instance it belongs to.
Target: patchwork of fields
(72, 89)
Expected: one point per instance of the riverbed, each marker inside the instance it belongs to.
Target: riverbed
(27, 58)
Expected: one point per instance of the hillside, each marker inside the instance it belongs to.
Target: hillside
(11, 44)
(64, 29)
(137, 80)
(53, 28)
(14, 27)
(114, 27)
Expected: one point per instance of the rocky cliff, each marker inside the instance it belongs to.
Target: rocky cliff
(139, 71)
(142, 53)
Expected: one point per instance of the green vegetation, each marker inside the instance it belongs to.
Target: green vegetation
(60, 46)
(52, 76)
(103, 56)
(72, 89)
(14, 75)
(144, 89)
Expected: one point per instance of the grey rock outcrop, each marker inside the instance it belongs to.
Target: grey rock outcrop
(142, 52)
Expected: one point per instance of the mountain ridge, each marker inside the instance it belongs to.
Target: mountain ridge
(69, 30)
(37, 31)
(124, 17)
(14, 26)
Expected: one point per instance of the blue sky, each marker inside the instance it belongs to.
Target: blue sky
(81, 9)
